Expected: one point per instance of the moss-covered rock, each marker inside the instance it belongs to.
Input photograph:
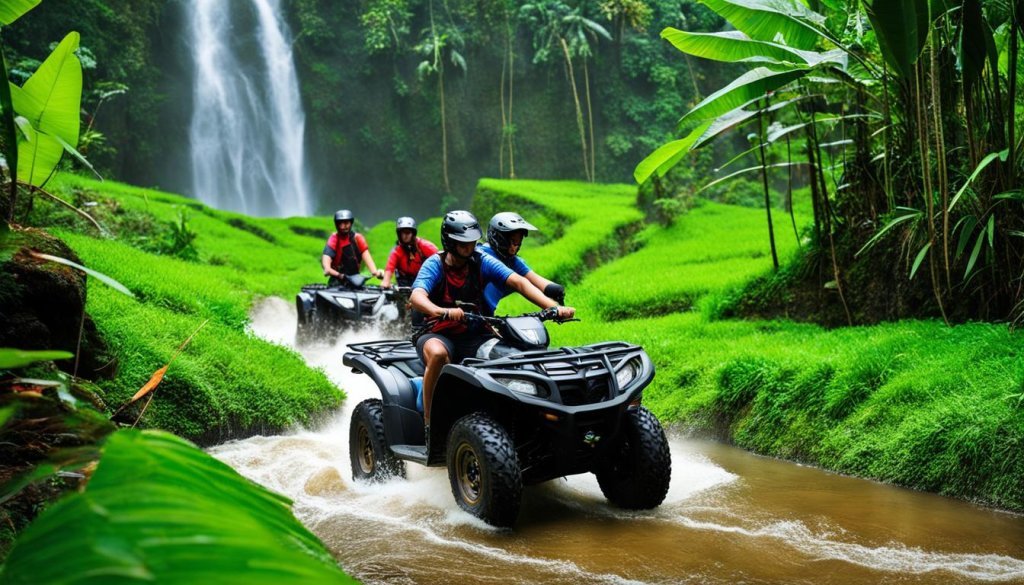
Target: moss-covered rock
(42, 303)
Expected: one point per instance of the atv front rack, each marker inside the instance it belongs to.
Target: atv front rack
(578, 375)
(386, 352)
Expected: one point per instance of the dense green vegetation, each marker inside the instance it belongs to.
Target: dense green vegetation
(915, 403)
(227, 383)
(131, 524)
(369, 103)
(906, 120)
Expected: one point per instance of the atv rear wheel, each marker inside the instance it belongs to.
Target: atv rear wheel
(372, 460)
(484, 470)
(636, 473)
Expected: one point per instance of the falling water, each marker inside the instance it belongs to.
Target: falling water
(247, 124)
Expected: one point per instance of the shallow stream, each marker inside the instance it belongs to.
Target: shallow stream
(730, 516)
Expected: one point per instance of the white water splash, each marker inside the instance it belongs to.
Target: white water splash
(248, 128)
(312, 467)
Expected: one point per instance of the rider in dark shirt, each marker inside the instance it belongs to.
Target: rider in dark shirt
(346, 251)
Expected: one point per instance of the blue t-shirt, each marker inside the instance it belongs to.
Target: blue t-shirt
(431, 273)
(495, 292)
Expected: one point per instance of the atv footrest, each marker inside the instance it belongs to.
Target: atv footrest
(414, 453)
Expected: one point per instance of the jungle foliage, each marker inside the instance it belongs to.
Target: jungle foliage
(916, 403)
(905, 120)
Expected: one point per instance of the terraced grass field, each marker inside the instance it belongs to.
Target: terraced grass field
(914, 402)
(228, 382)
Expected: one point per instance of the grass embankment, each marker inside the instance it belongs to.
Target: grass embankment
(227, 382)
(915, 403)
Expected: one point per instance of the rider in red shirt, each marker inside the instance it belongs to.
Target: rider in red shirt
(408, 254)
(346, 251)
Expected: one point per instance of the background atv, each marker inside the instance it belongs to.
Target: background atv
(517, 414)
(324, 310)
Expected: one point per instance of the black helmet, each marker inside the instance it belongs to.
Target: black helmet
(501, 227)
(343, 215)
(405, 223)
(459, 227)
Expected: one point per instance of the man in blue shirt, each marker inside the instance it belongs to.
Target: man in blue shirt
(457, 275)
(505, 234)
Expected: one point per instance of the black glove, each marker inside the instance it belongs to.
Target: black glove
(555, 292)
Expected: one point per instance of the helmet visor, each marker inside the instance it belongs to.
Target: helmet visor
(471, 234)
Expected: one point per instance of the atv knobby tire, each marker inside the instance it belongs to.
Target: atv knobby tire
(484, 470)
(636, 473)
(372, 460)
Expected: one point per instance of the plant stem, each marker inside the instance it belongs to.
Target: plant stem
(764, 180)
(579, 110)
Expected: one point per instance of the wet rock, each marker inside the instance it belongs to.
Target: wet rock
(41, 303)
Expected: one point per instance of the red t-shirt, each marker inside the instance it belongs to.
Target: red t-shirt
(333, 244)
(407, 264)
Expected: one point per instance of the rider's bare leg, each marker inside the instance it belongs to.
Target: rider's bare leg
(435, 354)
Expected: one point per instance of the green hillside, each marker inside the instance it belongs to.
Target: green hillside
(913, 402)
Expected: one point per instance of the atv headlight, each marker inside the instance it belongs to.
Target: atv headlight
(346, 303)
(627, 373)
(518, 385)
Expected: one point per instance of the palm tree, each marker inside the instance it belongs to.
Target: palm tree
(441, 44)
(581, 31)
(555, 24)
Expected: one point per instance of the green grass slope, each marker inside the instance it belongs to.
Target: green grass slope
(914, 403)
(227, 383)
(579, 224)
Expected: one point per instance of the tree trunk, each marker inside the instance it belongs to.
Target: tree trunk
(444, 130)
(764, 179)
(590, 122)
(579, 110)
(511, 126)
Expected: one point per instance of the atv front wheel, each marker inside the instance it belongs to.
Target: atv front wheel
(484, 471)
(372, 460)
(636, 473)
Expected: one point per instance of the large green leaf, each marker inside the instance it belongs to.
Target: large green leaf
(789, 22)
(11, 10)
(901, 28)
(729, 46)
(16, 358)
(744, 89)
(667, 155)
(10, 134)
(38, 153)
(159, 510)
(51, 99)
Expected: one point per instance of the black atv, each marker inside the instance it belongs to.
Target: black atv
(519, 413)
(323, 310)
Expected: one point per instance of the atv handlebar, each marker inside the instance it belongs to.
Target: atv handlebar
(473, 313)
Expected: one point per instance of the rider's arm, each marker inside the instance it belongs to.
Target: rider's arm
(537, 280)
(528, 290)
(429, 276)
(535, 296)
(369, 261)
(421, 302)
(325, 261)
(386, 283)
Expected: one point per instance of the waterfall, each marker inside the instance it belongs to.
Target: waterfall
(248, 125)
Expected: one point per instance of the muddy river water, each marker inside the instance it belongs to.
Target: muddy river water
(730, 516)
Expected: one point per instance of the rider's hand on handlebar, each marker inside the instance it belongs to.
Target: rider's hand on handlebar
(379, 273)
(566, 312)
(454, 314)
